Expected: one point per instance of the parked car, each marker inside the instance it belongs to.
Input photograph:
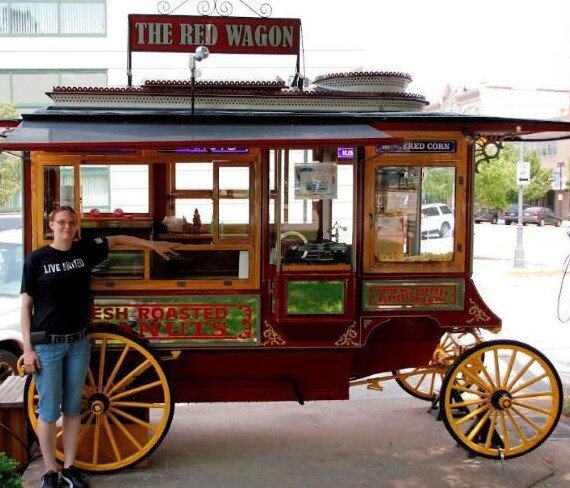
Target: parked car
(487, 215)
(11, 260)
(437, 219)
(541, 216)
(512, 214)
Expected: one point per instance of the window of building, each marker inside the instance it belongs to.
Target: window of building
(53, 18)
(546, 148)
(26, 89)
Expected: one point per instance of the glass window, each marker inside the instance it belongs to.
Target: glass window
(413, 214)
(59, 189)
(27, 88)
(124, 187)
(53, 17)
(316, 209)
(234, 202)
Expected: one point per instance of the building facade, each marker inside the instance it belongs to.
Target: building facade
(511, 101)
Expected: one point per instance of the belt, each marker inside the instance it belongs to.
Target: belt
(63, 338)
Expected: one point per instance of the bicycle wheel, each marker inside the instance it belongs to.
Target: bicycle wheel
(563, 309)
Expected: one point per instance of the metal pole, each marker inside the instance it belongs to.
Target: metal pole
(192, 80)
(519, 249)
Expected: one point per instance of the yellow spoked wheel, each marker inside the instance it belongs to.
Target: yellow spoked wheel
(501, 399)
(127, 405)
(425, 382)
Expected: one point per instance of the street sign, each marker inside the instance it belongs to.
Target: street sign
(523, 173)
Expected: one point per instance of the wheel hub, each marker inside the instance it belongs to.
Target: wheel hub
(502, 400)
(98, 403)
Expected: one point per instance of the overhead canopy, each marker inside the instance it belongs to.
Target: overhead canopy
(66, 134)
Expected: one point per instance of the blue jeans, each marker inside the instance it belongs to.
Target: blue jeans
(61, 378)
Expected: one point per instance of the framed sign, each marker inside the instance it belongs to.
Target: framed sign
(315, 181)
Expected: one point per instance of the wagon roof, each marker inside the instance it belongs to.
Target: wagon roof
(52, 129)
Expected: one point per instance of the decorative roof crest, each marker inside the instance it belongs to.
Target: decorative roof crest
(222, 8)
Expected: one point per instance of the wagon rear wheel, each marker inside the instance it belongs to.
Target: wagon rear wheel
(127, 405)
(425, 382)
(501, 399)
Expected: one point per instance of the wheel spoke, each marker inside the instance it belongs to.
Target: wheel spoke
(102, 355)
(119, 363)
(90, 379)
(534, 408)
(125, 431)
(516, 425)
(85, 427)
(475, 430)
(491, 430)
(497, 368)
(475, 378)
(529, 421)
(96, 440)
(520, 374)
(465, 389)
(420, 380)
(112, 439)
(528, 383)
(538, 394)
(472, 414)
(466, 403)
(505, 437)
(140, 369)
(509, 369)
(138, 405)
(125, 393)
(132, 418)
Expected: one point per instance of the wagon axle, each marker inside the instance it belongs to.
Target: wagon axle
(98, 403)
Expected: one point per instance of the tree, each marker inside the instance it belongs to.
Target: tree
(437, 185)
(10, 166)
(8, 111)
(540, 178)
(495, 184)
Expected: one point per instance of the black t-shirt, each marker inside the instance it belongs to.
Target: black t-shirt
(59, 283)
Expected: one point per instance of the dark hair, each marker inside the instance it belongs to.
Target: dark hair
(61, 208)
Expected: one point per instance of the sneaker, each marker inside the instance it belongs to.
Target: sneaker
(49, 480)
(72, 478)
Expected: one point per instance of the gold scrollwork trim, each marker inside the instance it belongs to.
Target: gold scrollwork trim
(477, 314)
(272, 337)
(348, 338)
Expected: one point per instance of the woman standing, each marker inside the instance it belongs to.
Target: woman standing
(56, 305)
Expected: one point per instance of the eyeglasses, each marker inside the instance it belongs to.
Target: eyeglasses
(62, 222)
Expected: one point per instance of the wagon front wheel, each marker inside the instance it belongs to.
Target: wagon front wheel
(425, 382)
(501, 399)
(127, 405)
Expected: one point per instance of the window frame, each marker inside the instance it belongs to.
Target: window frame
(458, 161)
(59, 17)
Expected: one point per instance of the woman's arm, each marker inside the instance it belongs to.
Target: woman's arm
(31, 361)
(162, 248)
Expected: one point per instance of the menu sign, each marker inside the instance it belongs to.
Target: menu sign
(233, 35)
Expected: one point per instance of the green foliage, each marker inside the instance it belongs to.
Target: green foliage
(437, 185)
(8, 111)
(10, 177)
(495, 184)
(9, 477)
(540, 178)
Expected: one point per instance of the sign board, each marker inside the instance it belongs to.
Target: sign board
(233, 35)
(419, 146)
(315, 181)
(523, 173)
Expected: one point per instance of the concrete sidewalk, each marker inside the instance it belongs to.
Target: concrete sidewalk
(388, 440)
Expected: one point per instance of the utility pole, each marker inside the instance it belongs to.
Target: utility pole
(523, 178)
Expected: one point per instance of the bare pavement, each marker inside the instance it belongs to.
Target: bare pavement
(376, 439)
